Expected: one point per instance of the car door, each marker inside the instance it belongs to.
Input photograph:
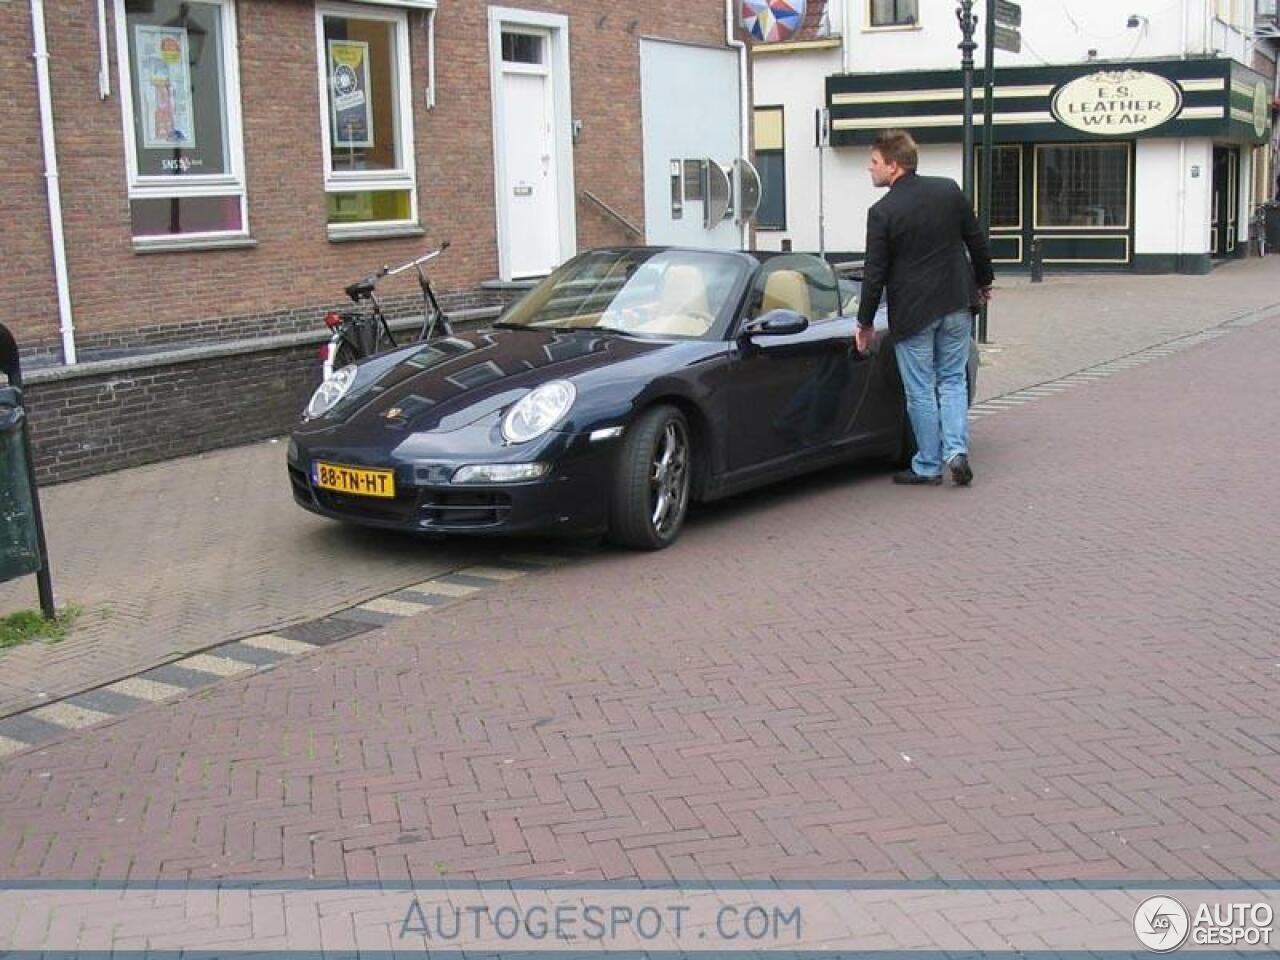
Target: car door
(792, 393)
(874, 407)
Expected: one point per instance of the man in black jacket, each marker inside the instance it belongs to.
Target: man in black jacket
(917, 236)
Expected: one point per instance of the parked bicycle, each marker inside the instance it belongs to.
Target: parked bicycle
(1258, 229)
(365, 331)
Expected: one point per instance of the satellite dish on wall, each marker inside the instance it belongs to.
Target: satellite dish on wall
(717, 193)
(771, 21)
(746, 186)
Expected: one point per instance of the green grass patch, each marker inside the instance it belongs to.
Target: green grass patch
(27, 625)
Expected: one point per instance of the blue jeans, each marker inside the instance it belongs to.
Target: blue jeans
(933, 365)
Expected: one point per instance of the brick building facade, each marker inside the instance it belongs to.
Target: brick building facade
(147, 295)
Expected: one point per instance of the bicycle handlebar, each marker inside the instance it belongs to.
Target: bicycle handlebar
(365, 285)
(392, 271)
(363, 288)
(387, 270)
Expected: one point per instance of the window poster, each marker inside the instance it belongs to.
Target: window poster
(164, 87)
(349, 93)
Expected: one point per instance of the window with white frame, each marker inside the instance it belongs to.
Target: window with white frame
(181, 110)
(365, 93)
(894, 13)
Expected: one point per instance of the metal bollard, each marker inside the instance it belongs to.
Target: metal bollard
(1037, 262)
(22, 543)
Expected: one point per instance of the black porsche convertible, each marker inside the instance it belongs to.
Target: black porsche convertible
(628, 383)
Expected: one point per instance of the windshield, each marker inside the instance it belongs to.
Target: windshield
(665, 293)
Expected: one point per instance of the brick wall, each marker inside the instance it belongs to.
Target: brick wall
(90, 425)
(128, 341)
(294, 265)
(128, 303)
(30, 304)
(110, 414)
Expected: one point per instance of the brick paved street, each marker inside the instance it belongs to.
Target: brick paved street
(1068, 671)
(175, 557)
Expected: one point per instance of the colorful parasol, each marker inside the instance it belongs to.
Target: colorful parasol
(772, 20)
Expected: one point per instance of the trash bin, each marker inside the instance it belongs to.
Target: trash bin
(19, 541)
(1272, 226)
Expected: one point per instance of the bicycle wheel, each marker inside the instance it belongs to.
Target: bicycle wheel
(345, 354)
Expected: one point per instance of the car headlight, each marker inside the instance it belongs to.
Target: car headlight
(331, 391)
(499, 472)
(538, 411)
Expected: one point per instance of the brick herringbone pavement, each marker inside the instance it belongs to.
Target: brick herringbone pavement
(174, 557)
(1069, 670)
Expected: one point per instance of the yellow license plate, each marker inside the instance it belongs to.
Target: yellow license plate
(363, 483)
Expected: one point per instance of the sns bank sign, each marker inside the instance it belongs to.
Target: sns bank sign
(1117, 103)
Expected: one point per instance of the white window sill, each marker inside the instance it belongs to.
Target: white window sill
(413, 4)
(189, 244)
(797, 46)
(374, 231)
(894, 28)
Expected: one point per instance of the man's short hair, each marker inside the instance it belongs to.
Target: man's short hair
(896, 146)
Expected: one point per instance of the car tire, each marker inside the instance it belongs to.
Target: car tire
(652, 481)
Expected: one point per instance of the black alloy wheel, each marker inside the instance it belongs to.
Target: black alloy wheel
(652, 483)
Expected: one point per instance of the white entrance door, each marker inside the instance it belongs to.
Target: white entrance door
(529, 190)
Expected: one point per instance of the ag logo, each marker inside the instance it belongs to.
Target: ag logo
(1161, 923)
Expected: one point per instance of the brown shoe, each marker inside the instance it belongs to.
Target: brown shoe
(961, 472)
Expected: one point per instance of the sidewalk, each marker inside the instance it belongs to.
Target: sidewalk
(1063, 673)
(175, 557)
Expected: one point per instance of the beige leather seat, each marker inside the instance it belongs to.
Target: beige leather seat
(787, 290)
(683, 307)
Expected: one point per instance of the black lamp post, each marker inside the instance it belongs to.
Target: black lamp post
(968, 24)
(988, 148)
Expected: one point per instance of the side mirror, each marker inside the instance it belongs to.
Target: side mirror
(777, 323)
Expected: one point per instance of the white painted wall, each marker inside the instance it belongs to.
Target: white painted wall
(1053, 32)
(1232, 41)
(797, 83)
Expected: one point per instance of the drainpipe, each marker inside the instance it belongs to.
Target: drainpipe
(846, 36)
(104, 72)
(53, 189)
(431, 63)
(744, 94)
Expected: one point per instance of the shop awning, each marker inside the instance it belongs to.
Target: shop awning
(1210, 97)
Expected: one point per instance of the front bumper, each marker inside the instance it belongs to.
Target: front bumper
(571, 498)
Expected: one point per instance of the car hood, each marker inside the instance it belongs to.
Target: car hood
(457, 380)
